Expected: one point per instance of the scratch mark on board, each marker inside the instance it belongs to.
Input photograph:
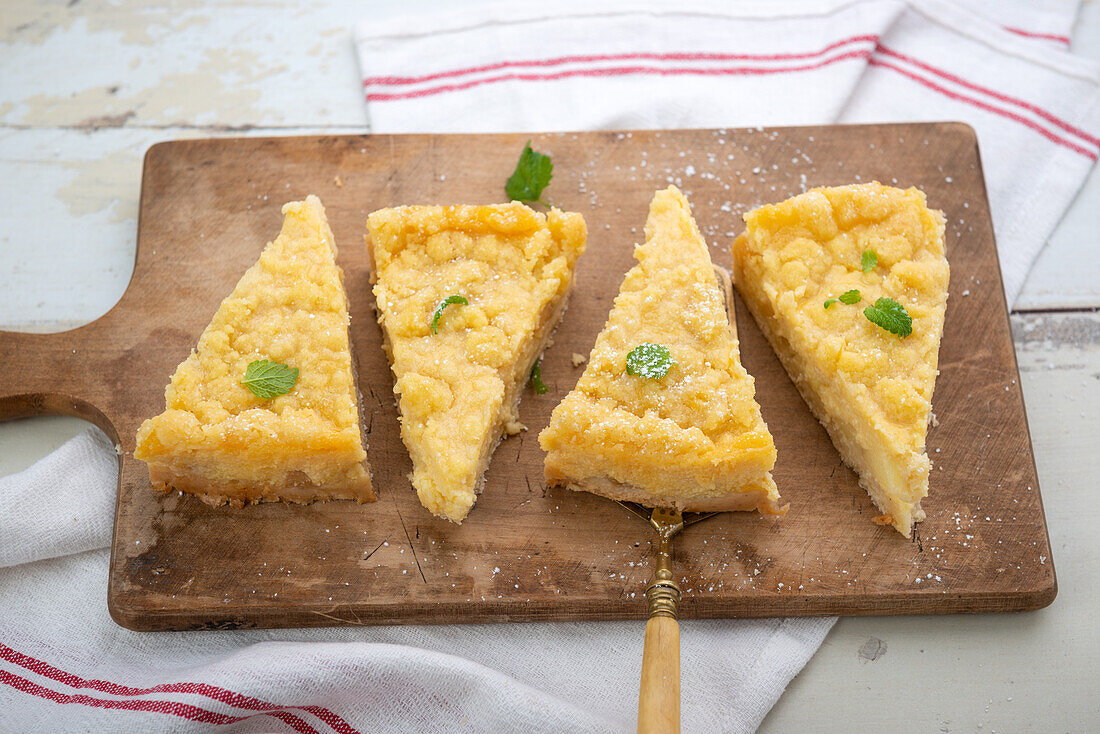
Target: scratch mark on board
(412, 547)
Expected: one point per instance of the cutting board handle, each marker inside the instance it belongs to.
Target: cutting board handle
(659, 697)
(63, 373)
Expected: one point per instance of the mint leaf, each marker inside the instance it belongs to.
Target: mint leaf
(850, 297)
(533, 173)
(829, 302)
(869, 260)
(442, 305)
(267, 379)
(890, 315)
(536, 377)
(652, 361)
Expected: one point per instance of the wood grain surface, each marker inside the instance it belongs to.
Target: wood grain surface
(526, 552)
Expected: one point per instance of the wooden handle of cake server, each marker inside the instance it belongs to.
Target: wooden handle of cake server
(659, 698)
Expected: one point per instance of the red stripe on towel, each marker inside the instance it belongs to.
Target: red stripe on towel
(173, 708)
(1032, 34)
(988, 108)
(994, 94)
(216, 693)
(586, 58)
(614, 71)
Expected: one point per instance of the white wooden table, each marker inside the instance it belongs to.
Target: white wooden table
(86, 88)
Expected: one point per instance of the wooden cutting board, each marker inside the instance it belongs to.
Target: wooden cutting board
(527, 552)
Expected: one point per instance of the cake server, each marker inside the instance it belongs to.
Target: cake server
(659, 693)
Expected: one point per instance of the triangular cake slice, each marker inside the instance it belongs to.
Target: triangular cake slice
(693, 438)
(467, 297)
(869, 386)
(218, 439)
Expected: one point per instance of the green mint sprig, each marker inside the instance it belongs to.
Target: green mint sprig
(851, 297)
(536, 377)
(652, 361)
(890, 315)
(267, 379)
(869, 260)
(442, 305)
(847, 297)
(533, 173)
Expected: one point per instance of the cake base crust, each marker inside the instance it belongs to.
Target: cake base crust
(763, 500)
(297, 489)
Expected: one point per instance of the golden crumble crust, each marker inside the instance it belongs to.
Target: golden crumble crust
(290, 307)
(692, 437)
(458, 388)
(870, 388)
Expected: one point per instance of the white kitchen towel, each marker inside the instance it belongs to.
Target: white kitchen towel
(66, 667)
(587, 66)
(45, 515)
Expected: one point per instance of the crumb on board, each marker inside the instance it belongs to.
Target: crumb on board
(339, 182)
(578, 359)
